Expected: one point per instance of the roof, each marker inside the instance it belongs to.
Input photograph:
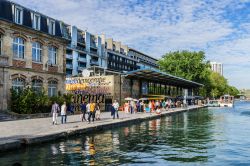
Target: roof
(161, 77)
(132, 49)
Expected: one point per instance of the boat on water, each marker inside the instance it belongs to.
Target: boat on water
(213, 103)
(226, 101)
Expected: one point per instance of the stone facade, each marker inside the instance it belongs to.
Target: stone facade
(25, 68)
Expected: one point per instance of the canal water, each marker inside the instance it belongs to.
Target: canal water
(214, 136)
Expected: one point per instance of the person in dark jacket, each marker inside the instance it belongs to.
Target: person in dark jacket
(83, 110)
(112, 110)
(71, 108)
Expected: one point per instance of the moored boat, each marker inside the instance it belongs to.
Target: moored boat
(213, 103)
(226, 101)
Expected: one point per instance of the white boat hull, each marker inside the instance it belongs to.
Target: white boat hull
(226, 105)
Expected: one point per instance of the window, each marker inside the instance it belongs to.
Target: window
(18, 15)
(37, 85)
(1, 42)
(18, 84)
(36, 21)
(51, 27)
(18, 48)
(52, 88)
(52, 55)
(36, 52)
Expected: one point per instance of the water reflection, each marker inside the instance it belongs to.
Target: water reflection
(200, 137)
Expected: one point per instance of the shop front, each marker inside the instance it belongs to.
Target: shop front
(144, 83)
(95, 88)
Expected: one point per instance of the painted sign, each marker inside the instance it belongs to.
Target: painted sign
(101, 85)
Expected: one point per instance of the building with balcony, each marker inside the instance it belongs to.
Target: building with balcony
(32, 51)
(85, 50)
(117, 56)
(143, 60)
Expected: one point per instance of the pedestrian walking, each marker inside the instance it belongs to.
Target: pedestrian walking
(131, 107)
(116, 107)
(126, 107)
(150, 106)
(54, 111)
(97, 111)
(92, 112)
(164, 105)
(71, 108)
(88, 110)
(64, 113)
(83, 110)
(138, 106)
(157, 104)
(142, 106)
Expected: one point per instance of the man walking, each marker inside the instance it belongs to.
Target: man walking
(116, 107)
(138, 106)
(63, 113)
(83, 110)
(54, 111)
(92, 112)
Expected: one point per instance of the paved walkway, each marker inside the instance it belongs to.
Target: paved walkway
(14, 133)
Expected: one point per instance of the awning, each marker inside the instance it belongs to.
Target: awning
(161, 77)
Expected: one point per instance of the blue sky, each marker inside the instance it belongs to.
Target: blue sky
(221, 28)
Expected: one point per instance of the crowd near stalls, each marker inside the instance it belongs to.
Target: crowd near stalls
(158, 104)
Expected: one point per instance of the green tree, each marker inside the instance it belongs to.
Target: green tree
(194, 66)
(185, 64)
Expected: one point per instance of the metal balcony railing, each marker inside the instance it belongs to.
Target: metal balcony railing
(80, 67)
(93, 62)
(68, 56)
(69, 66)
(82, 59)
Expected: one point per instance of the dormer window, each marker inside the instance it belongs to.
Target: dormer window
(36, 21)
(52, 27)
(18, 15)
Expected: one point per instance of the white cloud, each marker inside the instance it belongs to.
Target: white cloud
(220, 28)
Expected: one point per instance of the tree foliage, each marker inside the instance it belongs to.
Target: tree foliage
(27, 101)
(194, 66)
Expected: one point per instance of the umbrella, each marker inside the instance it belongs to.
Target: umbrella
(128, 98)
(135, 99)
(143, 99)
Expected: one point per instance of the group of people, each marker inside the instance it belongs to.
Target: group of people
(152, 106)
(91, 109)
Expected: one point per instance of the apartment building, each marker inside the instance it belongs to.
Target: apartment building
(117, 57)
(32, 51)
(143, 60)
(84, 51)
(217, 67)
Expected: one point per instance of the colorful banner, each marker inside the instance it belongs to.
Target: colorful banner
(101, 85)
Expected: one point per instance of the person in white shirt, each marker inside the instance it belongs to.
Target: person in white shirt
(54, 111)
(88, 108)
(157, 104)
(116, 107)
(63, 113)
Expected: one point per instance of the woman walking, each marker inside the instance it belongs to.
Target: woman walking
(98, 111)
